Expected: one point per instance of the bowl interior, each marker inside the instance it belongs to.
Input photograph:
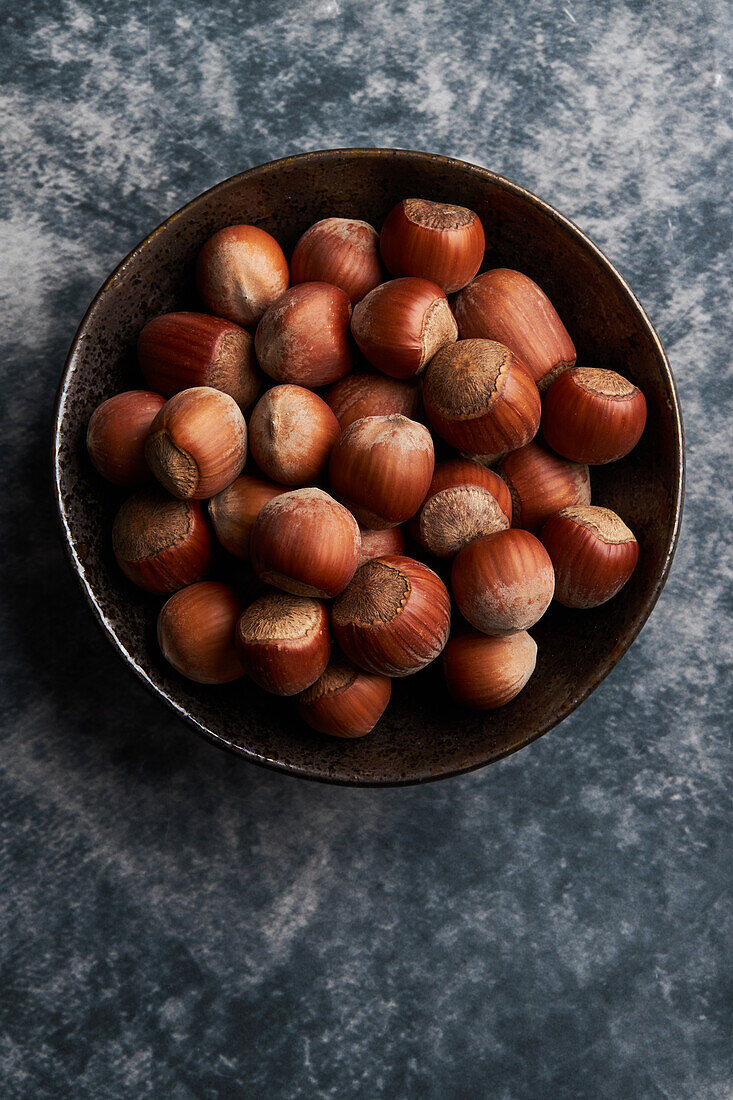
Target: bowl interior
(422, 736)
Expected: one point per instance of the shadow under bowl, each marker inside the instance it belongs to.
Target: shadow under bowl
(423, 736)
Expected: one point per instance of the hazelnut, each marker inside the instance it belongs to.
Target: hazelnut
(377, 544)
(394, 617)
(340, 251)
(593, 553)
(283, 642)
(306, 543)
(479, 398)
(180, 350)
(196, 633)
(400, 325)
(381, 469)
(593, 416)
(507, 306)
(161, 544)
(197, 443)
(116, 436)
(303, 337)
(483, 672)
(240, 272)
(464, 502)
(542, 483)
(234, 510)
(433, 240)
(345, 701)
(503, 583)
(291, 434)
(371, 394)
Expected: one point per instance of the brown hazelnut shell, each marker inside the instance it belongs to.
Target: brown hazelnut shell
(306, 543)
(400, 325)
(234, 510)
(593, 553)
(196, 632)
(283, 642)
(541, 483)
(394, 617)
(433, 240)
(371, 393)
(116, 436)
(508, 306)
(483, 672)
(480, 399)
(292, 432)
(340, 251)
(381, 469)
(303, 336)
(377, 544)
(197, 444)
(503, 583)
(177, 351)
(593, 416)
(345, 701)
(240, 272)
(161, 544)
(464, 502)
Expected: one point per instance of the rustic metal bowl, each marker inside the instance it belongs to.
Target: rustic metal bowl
(422, 736)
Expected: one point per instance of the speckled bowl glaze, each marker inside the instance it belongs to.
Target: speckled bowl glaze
(422, 736)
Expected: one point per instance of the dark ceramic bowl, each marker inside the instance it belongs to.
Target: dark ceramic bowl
(422, 736)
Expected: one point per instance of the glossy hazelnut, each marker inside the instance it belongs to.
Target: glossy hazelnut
(161, 544)
(509, 307)
(394, 617)
(433, 240)
(483, 672)
(180, 350)
(234, 510)
(292, 432)
(197, 443)
(345, 701)
(593, 552)
(240, 272)
(593, 416)
(540, 483)
(303, 337)
(377, 544)
(371, 394)
(196, 633)
(340, 251)
(306, 543)
(400, 325)
(283, 642)
(503, 583)
(381, 469)
(116, 436)
(479, 398)
(464, 502)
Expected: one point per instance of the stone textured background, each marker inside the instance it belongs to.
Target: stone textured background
(174, 923)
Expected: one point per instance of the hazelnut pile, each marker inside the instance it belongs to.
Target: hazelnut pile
(370, 369)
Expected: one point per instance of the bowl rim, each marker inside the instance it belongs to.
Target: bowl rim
(298, 771)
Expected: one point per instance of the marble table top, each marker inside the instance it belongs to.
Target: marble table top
(175, 923)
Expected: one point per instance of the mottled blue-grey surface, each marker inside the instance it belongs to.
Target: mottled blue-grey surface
(175, 923)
